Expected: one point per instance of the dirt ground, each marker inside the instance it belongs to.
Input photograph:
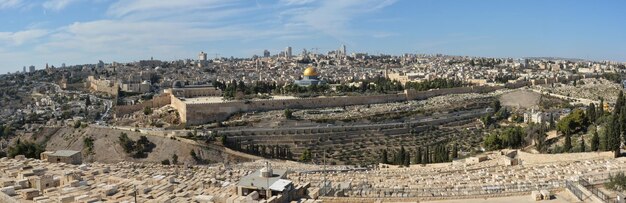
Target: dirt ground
(520, 99)
(107, 149)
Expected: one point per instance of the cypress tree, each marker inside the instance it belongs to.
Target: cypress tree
(568, 143)
(455, 151)
(582, 144)
(407, 159)
(383, 157)
(595, 142)
(418, 156)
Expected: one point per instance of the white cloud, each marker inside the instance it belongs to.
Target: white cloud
(5, 4)
(21, 37)
(296, 2)
(334, 17)
(136, 29)
(57, 5)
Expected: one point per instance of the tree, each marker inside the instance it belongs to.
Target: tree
(288, 114)
(28, 149)
(455, 151)
(595, 142)
(591, 113)
(147, 110)
(496, 105)
(418, 156)
(194, 155)
(407, 159)
(567, 147)
(383, 157)
(573, 123)
(613, 136)
(174, 159)
(305, 156)
(582, 144)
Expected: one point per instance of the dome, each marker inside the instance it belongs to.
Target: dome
(310, 71)
(178, 84)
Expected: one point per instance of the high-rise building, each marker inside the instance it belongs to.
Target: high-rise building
(202, 56)
(343, 50)
(24, 69)
(31, 69)
(266, 53)
(288, 52)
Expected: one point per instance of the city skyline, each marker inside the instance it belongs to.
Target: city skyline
(78, 32)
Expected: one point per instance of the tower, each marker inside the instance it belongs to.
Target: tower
(266, 53)
(202, 56)
(288, 52)
(343, 50)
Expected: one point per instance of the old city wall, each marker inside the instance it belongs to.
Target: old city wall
(180, 106)
(203, 113)
(156, 102)
(102, 86)
(200, 113)
(211, 112)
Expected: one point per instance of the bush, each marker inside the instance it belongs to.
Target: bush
(28, 149)
(139, 148)
(165, 162)
(147, 111)
(617, 182)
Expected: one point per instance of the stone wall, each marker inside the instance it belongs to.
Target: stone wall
(210, 112)
(156, 102)
(106, 86)
(200, 113)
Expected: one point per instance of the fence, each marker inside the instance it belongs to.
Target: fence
(575, 190)
(596, 192)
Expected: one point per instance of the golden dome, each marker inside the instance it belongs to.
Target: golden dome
(310, 71)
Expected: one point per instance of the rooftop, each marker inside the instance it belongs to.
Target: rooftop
(255, 179)
(62, 152)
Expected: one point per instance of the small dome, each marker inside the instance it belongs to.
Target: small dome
(310, 71)
(178, 84)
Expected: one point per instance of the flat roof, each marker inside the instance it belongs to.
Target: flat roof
(256, 181)
(63, 153)
(280, 185)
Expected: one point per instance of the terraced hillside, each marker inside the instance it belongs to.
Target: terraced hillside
(362, 143)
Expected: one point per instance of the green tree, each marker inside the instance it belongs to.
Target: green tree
(418, 156)
(384, 157)
(567, 147)
(591, 113)
(613, 136)
(28, 149)
(455, 151)
(595, 142)
(305, 156)
(407, 159)
(496, 105)
(582, 144)
(147, 110)
(174, 159)
(288, 114)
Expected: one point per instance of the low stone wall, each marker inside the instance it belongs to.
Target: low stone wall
(156, 102)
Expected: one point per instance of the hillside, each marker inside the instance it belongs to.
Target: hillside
(106, 148)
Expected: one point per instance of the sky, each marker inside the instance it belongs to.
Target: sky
(36, 32)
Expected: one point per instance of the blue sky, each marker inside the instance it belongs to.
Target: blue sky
(35, 32)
